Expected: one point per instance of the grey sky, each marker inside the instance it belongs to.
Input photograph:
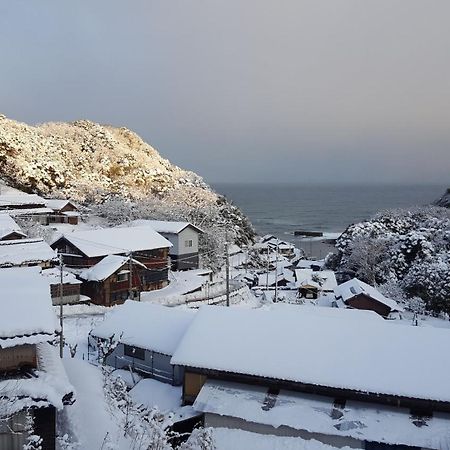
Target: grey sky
(258, 90)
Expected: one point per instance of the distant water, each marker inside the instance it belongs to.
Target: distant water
(281, 209)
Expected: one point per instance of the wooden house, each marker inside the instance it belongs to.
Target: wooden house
(311, 284)
(113, 280)
(340, 377)
(359, 295)
(183, 236)
(9, 229)
(144, 244)
(28, 206)
(32, 377)
(63, 211)
(147, 335)
(26, 252)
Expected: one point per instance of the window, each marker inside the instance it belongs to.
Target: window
(188, 243)
(123, 275)
(134, 352)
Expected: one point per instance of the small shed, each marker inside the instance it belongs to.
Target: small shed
(359, 295)
(70, 288)
(146, 336)
(311, 284)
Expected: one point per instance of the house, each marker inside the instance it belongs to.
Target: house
(359, 295)
(64, 211)
(9, 230)
(146, 337)
(28, 206)
(184, 237)
(283, 278)
(342, 377)
(272, 243)
(87, 248)
(310, 264)
(113, 280)
(311, 284)
(32, 378)
(26, 252)
(70, 286)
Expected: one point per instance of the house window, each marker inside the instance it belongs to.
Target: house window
(123, 275)
(134, 352)
(188, 243)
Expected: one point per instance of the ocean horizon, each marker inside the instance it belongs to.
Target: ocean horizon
(280, 209)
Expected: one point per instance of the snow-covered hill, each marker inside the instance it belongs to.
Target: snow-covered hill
(114, 169)
(444, 200)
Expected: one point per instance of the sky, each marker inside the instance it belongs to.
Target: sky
(333, 91)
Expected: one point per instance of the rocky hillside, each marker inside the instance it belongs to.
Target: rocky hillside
(82, 157)
(444, 200)
(113, 171)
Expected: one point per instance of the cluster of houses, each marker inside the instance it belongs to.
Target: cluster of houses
(104, 266)
(343, 377)
(285, 275)
(339, 374)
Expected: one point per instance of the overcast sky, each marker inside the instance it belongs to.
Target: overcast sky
(244, 90)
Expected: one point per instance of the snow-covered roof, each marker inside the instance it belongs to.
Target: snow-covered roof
(11, 200)
(53, 276)
(106, 267)
(26, 315)
(27, 211)
(355, 287)
(145, 325)
(318, 414)
(308, 263)
(57, 204)
(8, 225)
(235, 438)
(324, 280)
(166, 226)
(320, 346)
(25, 251)
(111, 241)
(48, 387)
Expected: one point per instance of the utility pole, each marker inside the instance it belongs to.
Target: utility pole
(227, 268)
(61, 317)
(130, 276)
(276, 273)
(267, 268)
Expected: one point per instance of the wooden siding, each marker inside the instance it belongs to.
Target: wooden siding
(367, 303)
(14, 358)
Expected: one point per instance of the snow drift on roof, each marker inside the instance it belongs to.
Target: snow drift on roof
(320, 346)
(106, 267)
(48, 387)
(113, 241)
(57, 204)
(314, 413)
(355, 287)
(25, 251)
(145, 325)
(165, 226)
(26, 307)
(8, 200)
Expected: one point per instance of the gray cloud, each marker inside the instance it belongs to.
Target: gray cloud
(258, 90)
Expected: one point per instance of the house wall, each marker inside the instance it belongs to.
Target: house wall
(13, 358)
(156, 365)
(185, 262)
(12, 432)
(364, 302)
(217, 421)
(187, 234)
(71, 293)
(12, 236)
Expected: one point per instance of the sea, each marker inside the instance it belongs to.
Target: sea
(281, 209)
